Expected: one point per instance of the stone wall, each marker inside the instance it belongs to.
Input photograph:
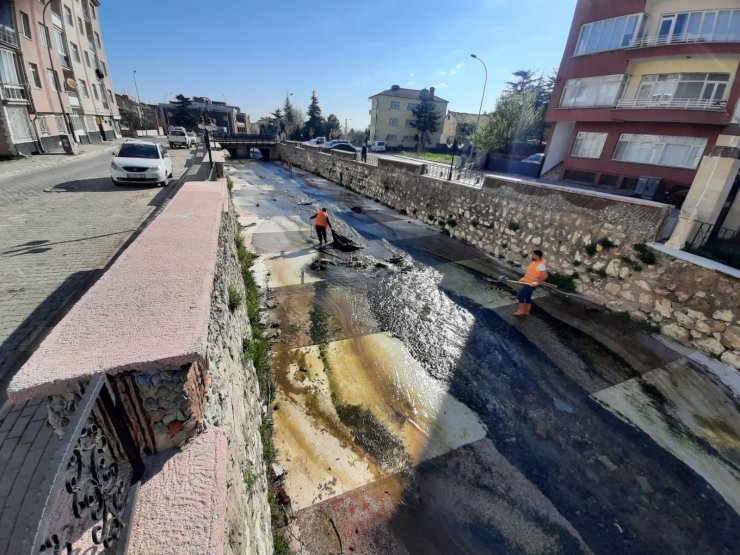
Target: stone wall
(585, 235)
(233, 403)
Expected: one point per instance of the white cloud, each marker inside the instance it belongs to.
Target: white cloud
(442, 73)
(441, 85)
(411, 74)
(460, 65)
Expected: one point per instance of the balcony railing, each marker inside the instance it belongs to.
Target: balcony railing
(8, 35)
(13, 92)
(662, 40)
(673, 104)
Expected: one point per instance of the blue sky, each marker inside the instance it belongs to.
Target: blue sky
(252, 53)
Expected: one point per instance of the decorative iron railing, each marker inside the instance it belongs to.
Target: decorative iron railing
(662, 40)
(8, 35)
(13, 92)
(458, 175)
(84, 497)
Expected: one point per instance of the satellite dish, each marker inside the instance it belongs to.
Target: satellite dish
(71, 84)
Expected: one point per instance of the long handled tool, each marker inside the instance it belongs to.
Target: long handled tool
(504, 279)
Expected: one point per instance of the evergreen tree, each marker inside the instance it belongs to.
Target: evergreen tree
(290, 115)
(426, 122)
(183, 116)
(333, 127)
(315, 123)
(277, 115)
(512, 120)
(526, 81)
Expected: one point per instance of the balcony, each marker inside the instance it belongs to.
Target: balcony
(8, 35)
(672, 104)
(663, 40)
(13, 93)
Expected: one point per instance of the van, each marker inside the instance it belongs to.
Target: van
(177, 136)
(377, 146)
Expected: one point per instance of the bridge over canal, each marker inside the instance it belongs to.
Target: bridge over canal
(240, 145)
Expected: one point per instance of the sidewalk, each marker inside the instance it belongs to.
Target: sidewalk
(35, 162)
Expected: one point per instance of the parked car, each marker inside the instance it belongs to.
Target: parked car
(193, 137)
(343, 146)
(377, 146)
(535, 158)
(138, 162)
(177, 137)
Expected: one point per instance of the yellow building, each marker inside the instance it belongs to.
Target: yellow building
(391, 112)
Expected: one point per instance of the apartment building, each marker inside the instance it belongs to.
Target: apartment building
(460, 125)
(391, 113)
(644, 90)
(54, 76)
(221, 114)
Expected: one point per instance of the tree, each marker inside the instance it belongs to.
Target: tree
(358, 137)
(315, 122)
(426, 122)
(525, 82)
(333, 127)
(277, 115)
(290, 114)
(512, 120)
(183, 116)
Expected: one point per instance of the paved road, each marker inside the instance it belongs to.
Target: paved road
(59, 226)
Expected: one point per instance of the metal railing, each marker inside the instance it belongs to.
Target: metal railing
(458, 175)
(87, 488)
(662, 40)
(673, 104)
(369, 159)
(13, 92)
(8, 35)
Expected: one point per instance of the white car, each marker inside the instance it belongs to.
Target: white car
(177, 136)
(138, 162)
(377, 146)
(193, 137)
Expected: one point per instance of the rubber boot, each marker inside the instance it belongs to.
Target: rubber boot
(522, 310)
(527, 308)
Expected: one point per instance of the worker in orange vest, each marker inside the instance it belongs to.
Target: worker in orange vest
(322, 221)
(536, 274)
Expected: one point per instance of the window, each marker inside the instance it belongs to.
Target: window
(87, 58)
(409, 138)
(409, 124)
(90, 123)
(395, 105)
(51, 75)
(97, 40)
(25, 25)
(592, 91)
(61, 47)
(43, 35)
(682, 90)
(20, 125)
(42, 125)
(75, 52)
(608, 34)
(110, 97)
(8, 67)
(94, 88)
(61, 125)
(92, 12)
(391, 137)
(393, 122)
(83, 89)
(588, 145)
(33, 69)
(68, 16)
(81, 26)
(411, 106)
(102, 67)
(712, 26)
(660, 150)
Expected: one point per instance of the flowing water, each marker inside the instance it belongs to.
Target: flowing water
(414, 414)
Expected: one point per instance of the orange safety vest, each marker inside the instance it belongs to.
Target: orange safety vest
(322, 218)
(535, 272)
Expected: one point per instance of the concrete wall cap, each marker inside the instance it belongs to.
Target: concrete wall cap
(150, 309)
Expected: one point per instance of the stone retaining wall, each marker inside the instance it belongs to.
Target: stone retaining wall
(585, 235)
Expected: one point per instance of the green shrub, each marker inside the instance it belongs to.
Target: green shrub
(452, 222)
(644, 254)
(513, 226)
(590, 249)
(229, 183)
(235, 298)
(563, 282)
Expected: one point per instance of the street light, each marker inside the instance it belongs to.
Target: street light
(346, 135)
(477, 123)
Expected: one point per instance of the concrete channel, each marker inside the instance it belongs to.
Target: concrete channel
(414, 414)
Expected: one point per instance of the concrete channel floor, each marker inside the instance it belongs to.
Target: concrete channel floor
(414, 414)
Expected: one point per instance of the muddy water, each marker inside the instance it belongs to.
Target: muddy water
(401, 366)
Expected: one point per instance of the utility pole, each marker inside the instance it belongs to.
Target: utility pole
(346, 133)
(58, 84)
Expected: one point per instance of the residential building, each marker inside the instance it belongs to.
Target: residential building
(222, 114)
(54, 76)
(138, 119)
(644, 91)
(391, 113)
(460, 125)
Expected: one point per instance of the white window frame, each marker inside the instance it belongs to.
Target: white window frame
(103, 68)
(710, 26)
(68, 16)
(588, 144)
(97, 40)
(61, 124)
(51, 76)
(392, 122)
(632, 148)
(94, 88)
(75, 52)
(43, 125)
(605, 38)
(61, 47)
(576, 92)
(35, 80)
(411, 106)
(662, 89)
(83, 89)
(43, 34)
(87, 58)
(25, 24)
(19, 124)
(391, 138)
(8, 67)
(395, 105)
